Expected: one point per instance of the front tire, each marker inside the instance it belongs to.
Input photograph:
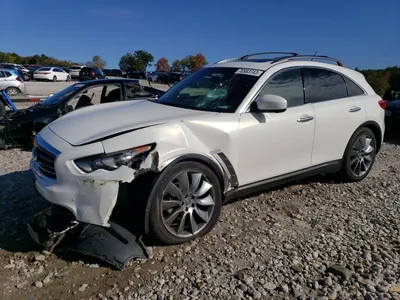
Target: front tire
(359, 156)
(55, 79)
(186, 203)
(68, 78)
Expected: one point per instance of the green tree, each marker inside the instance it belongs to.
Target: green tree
(126, 61)
(176, 66)
(378, 80)
(97, 62)
(137, 61)
(185, 63)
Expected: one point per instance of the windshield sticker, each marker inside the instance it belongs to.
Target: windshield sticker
(252, 72)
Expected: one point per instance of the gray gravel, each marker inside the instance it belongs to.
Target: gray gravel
(316, 239)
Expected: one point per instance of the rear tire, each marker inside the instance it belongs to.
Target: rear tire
(179, 214)
(55, 79)
(359, 156)
(12, 91)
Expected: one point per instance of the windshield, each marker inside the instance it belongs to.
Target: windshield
(212, 89)
(61, 95)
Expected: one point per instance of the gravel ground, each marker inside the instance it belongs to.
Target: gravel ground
(315, 239)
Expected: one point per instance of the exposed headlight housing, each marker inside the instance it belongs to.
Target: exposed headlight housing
(113, 161)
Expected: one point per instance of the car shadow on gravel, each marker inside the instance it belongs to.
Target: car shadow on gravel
(19, 202)
(325, 179)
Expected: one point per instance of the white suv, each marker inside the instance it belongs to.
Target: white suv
(231, 128)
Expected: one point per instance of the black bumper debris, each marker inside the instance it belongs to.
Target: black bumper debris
(112, 245)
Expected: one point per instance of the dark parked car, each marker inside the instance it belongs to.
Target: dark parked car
(89, 73)
(32, 69)
(20, 127)
(135, 74)
(106, 72)
(169, 77)
(115, 72)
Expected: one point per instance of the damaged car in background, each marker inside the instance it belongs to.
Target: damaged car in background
(231, 128)
(17, 129)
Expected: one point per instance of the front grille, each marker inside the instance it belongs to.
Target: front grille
(45, 161)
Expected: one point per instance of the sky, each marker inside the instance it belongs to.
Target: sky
(362, 33)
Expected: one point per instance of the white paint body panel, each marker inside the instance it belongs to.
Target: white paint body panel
(273, 144)
(259, 145)
(334, 125)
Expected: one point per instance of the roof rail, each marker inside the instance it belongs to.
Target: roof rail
(261, 53)
(226, 60)
(320, 57)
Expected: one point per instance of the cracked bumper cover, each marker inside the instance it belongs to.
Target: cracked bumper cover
(116, 246)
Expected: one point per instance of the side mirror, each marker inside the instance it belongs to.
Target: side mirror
(271, 103)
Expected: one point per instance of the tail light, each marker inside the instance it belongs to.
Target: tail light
(92, 73)
(19, 79)
(180, 77)
(383, 104)
(47, 73)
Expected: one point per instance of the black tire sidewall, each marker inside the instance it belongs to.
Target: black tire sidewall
(347, 173)
(157, 228)
(2, 109)
(12, 88)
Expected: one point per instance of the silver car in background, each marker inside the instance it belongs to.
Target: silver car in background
(74, 71)
(11, 81)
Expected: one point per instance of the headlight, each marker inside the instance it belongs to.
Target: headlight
(115, 160)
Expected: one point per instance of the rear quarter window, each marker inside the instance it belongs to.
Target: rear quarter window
(352, 88)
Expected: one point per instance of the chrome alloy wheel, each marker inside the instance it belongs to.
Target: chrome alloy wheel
(187, 203)
(362, 155)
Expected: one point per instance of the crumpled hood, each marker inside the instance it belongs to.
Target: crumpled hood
(100, 121)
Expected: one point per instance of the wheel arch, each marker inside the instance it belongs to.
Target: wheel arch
(377, 131)
(184, 158)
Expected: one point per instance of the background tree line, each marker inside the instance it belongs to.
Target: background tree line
(140, 60)
(381, 80)
(44, 60)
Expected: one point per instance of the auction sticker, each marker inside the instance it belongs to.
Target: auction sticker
(252, 72)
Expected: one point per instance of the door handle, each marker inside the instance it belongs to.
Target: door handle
(305, 119)
(355, 109)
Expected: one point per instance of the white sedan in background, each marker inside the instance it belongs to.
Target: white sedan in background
(51, 73)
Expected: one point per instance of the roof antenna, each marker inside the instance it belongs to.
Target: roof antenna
(314, 54)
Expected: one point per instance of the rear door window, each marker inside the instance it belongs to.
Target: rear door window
(324, 85)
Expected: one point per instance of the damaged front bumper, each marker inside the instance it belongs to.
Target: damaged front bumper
(114, 245)
(90, 197)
